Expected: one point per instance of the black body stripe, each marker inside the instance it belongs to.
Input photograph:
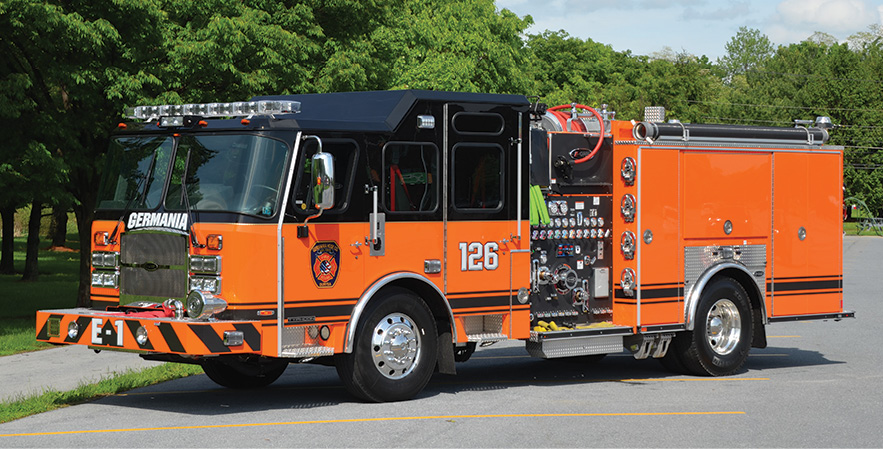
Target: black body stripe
(83, 323)
(133, 326)
(666, 284)
(827, 292)
(246, 315)
(654, 293)
(250, 334)
(805, 285)
(209, 338)
(340, 300)
(481, 301)
(472, 294)
(168, 333)
(317, 311)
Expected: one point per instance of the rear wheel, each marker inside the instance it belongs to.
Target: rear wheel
(243, 372)
(721, 336)
(394, 351)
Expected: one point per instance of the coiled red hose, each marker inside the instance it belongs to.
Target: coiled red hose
(600, 122)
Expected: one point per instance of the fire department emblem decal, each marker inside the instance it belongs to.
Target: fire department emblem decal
(325, 258)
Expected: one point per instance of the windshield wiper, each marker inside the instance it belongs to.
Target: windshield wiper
(194, 240)
(139, 194)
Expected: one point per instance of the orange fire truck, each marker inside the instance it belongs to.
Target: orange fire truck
(391, 233)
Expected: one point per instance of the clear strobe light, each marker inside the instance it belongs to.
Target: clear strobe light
(234, 109)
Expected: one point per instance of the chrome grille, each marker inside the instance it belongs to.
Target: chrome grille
(153, 266)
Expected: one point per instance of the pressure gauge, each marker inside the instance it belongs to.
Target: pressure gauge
(594, 222)
(557, 222)
(572, 222)
(600, 221)
(553, 208)
(563, 207)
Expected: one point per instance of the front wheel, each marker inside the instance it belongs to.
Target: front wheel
(395, 349)
(721, 336)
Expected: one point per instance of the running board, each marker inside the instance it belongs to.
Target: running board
(820, 316)
(576, 342)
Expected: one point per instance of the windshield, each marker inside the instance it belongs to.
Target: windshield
(232, 173)
(235, 173)
(135, 173)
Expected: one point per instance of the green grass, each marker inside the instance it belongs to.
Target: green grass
(17, 335)
(56, 288)
(51, 400)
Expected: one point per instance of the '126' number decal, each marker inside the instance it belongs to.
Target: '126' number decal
(476, 257)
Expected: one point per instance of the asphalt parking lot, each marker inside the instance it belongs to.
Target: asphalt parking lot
(818, 384)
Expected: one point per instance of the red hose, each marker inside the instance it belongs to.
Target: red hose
(600, 122)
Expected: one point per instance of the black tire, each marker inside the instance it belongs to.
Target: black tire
(672, 360)
(720, 340)
(243, 373)
(394, 350)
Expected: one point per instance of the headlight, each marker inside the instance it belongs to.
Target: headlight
(211, 284)
(105, 279)
(73, 330)
(104, 259)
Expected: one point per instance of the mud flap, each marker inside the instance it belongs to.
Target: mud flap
(758, 340)
(445, 357)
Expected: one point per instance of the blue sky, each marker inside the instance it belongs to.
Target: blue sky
(700, 27)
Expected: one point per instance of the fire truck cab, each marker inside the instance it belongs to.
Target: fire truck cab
(391, 233)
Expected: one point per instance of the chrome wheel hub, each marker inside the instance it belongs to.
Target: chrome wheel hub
(724, 327)
(395, 345)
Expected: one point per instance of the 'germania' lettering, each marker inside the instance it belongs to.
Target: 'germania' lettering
(165, 220)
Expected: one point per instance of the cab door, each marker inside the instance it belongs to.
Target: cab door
(486, 258)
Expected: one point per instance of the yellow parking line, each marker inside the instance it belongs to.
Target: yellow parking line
(363, 420)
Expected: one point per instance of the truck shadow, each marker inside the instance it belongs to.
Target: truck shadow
(313, 386)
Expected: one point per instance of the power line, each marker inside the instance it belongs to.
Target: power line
(802, 75)
(805, 108)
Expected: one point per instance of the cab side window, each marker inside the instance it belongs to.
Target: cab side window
(410, 174)
(345, 153)
(478, 177)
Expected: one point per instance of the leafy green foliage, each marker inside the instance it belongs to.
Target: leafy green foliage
(70, 68)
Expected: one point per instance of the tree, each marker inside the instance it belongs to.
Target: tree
(746, 50)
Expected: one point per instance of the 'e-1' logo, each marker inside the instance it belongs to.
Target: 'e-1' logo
(111, 334)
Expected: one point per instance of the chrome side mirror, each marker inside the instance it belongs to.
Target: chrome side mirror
(322, 183)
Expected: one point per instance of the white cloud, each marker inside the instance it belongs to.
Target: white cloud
(832, 16)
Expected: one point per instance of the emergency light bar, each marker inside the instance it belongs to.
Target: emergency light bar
(235, 109)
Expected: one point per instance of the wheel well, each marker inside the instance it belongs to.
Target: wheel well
(758, 306)
(437, 304)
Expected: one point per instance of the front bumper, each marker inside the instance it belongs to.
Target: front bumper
(118, 331)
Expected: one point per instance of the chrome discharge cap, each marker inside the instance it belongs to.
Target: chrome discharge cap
(201, 305)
